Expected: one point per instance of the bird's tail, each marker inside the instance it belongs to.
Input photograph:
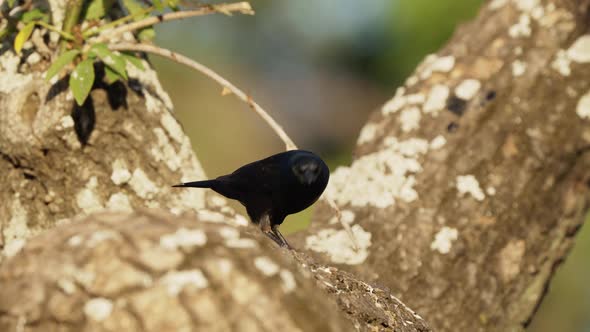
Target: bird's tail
(197, 184)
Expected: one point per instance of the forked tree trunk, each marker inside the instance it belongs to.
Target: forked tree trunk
(465, 192)
(468, 186)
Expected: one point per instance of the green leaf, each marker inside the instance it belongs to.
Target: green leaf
(173, 4)
(81, 80)
(34, 15)
(22, 36)
(98, 9)
(158, 4)
(133, 6)
(11, 3)
(112, 76)
(147, 34)
(110, 59)
(63, 60)
(134, 60)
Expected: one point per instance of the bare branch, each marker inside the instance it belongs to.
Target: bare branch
(241, 7)
(181, 59)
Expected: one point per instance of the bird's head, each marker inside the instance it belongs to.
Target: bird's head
(308, 169)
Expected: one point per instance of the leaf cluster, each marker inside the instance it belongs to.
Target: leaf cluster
(78, 52)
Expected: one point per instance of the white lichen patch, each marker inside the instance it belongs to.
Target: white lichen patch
(437, 99)
(210, 216)
(415, 99)
(266, 266)
(411, 80)
(184, 238)
(75, 240)
(164, 151)
(381, 177)
(119, 202)
(87, 199)
(510, 258)
(172, 127)
(561, 63)
(410, 118)
(468, 184)
(347, 216)
(443, 240)
(98, 309)
(496, 4)
(187, 199)
(229, 233)
(518, 68)
(338, 245)
(580, 50)
(243, 243)
(100, 236)
(11, 80)
(224, 266)
(177, 280)
(396, 103)
(65, 122)
(438, 142)
(433, 63)
(522, 28)
(583, 107)
(240, 220)
(217, 201)
(367, 134)
(491, 191)
(467, 89)
(67, 286)
(526, 5)
(288, 283)
(120, 174)
(538, 13)
(232, 238)
(16, 231)
(142, 185)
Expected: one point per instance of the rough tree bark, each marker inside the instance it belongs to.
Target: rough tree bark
(145, 271)
(468, 186)
(465, 192)
(152, 271)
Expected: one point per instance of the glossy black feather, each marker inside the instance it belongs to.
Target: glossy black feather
(274, 187)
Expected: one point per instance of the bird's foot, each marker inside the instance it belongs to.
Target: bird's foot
(284, 243)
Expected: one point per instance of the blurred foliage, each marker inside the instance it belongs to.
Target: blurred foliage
(320, 69)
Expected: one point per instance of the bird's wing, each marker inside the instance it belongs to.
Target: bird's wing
(258, 177)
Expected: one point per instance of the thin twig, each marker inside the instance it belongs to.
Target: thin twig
(64, 34)
(111, 25)
(181, 59)
(242, 7)
(346, 226)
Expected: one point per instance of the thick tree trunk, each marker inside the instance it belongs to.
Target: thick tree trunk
(149, 271)
(135, 150)
(468, 186)
(152, 271)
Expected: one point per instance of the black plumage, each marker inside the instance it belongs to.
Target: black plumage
(274, 187)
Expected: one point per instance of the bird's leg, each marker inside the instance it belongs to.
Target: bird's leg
(267, 229)
(275, 230)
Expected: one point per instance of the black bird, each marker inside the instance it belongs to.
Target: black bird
(272, 188)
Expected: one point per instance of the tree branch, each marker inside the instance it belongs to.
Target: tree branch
(181, 59)
(241, 7)
(124, 272)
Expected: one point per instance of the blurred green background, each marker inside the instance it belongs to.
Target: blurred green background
(320, 68)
